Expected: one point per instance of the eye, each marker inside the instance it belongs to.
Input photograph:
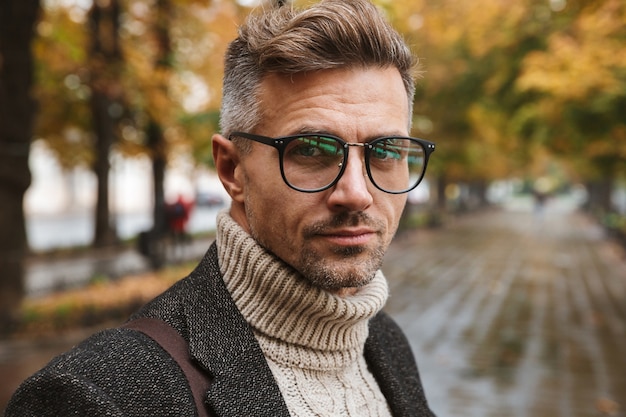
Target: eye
(305, 147)
(386, 150)
(314, 146)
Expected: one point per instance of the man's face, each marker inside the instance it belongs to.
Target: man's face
(335, 238)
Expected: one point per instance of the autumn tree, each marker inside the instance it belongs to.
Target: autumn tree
(62, 80)
(173, 83)
(160, 100)
(581, 77)
(159, 114)
(471, 54)
(508, 83)
(465, 51)
(106, 100)
(17, 109)
(79, 67)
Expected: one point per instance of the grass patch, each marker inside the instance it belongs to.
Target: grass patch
(101, 301)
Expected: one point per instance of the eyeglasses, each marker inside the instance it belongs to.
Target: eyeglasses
(312, 162)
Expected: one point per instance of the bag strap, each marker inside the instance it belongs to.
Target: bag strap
(174, 344)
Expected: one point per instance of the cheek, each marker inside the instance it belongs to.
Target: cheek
(272, 214)
(394, 207)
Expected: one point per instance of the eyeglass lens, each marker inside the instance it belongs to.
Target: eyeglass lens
(314, 162)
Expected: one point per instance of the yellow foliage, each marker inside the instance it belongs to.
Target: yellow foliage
(586, 59)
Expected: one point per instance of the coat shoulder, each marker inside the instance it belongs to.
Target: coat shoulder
(117, 372)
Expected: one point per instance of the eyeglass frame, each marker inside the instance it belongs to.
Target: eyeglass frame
(280, 143)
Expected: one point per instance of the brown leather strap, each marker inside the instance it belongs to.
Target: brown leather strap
(174, 344)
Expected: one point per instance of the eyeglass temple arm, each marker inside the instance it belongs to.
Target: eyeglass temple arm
(257, 138)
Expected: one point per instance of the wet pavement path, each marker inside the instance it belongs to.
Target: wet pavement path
(509, 314)
(512, 314)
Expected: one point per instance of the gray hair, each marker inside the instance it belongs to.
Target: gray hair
(330, 34)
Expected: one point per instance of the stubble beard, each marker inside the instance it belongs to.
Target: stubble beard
(350, 267)
(349, 271)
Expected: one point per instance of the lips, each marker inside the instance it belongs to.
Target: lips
(349, 237)
(346, 230)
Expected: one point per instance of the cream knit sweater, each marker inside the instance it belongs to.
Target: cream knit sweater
(313, 340)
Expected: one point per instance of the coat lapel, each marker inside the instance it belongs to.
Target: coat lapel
(380, 365)
(222, 342)
(390, 360)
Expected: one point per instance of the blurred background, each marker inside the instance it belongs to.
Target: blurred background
(107, 108)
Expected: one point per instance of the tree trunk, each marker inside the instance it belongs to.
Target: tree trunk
(156, 142)
(442, 183)
(156, 138)
(17, 109)
(106, 61)
(479, 192)
(104, 129)
(599, 192)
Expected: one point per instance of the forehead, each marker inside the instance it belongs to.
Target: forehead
(355, 103)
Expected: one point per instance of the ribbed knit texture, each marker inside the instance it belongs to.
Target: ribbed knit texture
(313, 340)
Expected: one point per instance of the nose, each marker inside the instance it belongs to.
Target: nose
(352, 192)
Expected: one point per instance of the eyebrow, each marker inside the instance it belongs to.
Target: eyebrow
(308, 130)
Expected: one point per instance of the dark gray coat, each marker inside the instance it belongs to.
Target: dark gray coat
(122, 372)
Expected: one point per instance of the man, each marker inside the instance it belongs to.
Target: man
(283, 315)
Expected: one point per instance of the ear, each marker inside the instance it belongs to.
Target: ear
(227, 164)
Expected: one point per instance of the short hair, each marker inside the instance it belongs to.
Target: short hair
(330, 34)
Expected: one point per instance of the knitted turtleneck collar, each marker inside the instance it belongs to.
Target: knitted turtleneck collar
(284, 308)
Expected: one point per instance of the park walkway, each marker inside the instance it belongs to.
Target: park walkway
(510, 314)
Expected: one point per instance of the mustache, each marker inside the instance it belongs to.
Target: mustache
(340, 220)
